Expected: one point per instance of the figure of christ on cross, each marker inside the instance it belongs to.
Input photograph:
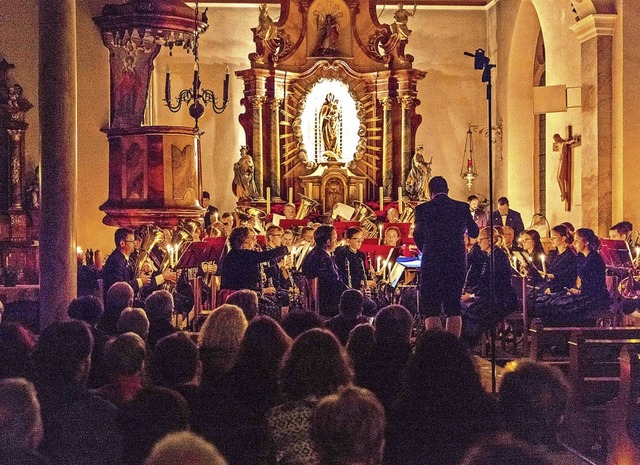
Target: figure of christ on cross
(565, 147)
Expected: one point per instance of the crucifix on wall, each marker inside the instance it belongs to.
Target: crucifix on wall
(565, 147)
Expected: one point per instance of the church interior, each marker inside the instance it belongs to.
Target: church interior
(119, 113)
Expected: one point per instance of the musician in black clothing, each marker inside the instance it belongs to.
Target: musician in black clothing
(562, 267)
(351, 265)
(483, 309)
(583, 303)
(320, 264)
(241, 267)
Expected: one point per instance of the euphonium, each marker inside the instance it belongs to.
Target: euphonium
(180, 235)
(151, 236)
(629, 287)
(408, 213)
(307, 205)
(364, 214)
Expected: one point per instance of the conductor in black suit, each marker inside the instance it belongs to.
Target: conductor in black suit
(320, 264)
(439, 232)
(504, 216)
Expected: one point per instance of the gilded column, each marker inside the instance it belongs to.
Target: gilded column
(257, 150)
(387, 146)
(595, 33)
(58, 128)
(274, 138)
(16, 160)
(406, 144)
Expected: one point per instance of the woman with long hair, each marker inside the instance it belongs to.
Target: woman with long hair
(582, 304)
(561, 268)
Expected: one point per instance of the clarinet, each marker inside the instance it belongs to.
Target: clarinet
(365, 288)
(348, 268)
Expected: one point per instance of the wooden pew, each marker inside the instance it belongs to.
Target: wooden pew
(620, 447)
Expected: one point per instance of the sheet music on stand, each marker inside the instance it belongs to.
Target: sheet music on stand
(525, 261)
(616, 253)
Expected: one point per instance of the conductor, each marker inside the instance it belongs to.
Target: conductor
(439, 233)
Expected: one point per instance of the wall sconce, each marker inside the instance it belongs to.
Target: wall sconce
(197, 96)
(468, 172)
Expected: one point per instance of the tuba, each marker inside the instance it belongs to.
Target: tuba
(182, 234)
(256, 213)
(307, 205)
(365, 215)
(151, 235)
(408, 213)
(629, 287)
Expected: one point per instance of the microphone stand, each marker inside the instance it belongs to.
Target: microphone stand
(480, 61)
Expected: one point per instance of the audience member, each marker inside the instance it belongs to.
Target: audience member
(503, 449)
(175, 365)
(360, 348)
(316, 365)
(79, 428)
(350, 315)
(16, 348)
(124, 359)
(88, 308)
(442, 409)
(533, 399)
(296, 323)
(232, 415)
(20, 423)
(152, 414)
(348, 428)
(119, 297)
(184, 448)
(219, 342)
(159, 308)
(391, 351)
(247, 300)
(134, 320)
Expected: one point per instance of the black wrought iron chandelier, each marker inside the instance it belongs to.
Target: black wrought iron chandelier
(197, 97)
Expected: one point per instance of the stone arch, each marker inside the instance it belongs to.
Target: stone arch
(519, 140)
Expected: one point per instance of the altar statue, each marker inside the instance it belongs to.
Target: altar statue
(244, 184)
(329, 119)
(400, 19)
(418, 177)
(266, 29)
(329, 33)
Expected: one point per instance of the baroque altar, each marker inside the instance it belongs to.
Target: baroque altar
(330, 103)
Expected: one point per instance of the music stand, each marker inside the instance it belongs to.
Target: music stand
(375, 251)
(525, 261)
(615, 253)
(289, 223)
(341, 226)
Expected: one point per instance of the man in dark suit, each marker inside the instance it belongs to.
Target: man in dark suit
(320, 264)
(211, 215)
(504, 216)
(439, 232)
(120, 267)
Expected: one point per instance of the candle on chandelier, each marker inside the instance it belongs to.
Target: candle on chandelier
(225, 90)
(167, 85)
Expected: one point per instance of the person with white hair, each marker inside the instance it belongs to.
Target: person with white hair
(184, 448)
(20, 423)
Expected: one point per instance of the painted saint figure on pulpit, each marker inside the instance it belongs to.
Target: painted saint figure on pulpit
(329, 119)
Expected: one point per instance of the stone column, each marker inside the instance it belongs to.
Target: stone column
(595, 33)
(387, 146)
(58, 127)
(274, 138)
(16, 161)
(256, 151)
(406, 144)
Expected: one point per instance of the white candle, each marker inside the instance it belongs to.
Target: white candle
(291, 195)
(381, 198)
(379, 263)
(268, 200)
(544, 266)
(215, 216)
(360, 193)
(380, 229)
(400, 199)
